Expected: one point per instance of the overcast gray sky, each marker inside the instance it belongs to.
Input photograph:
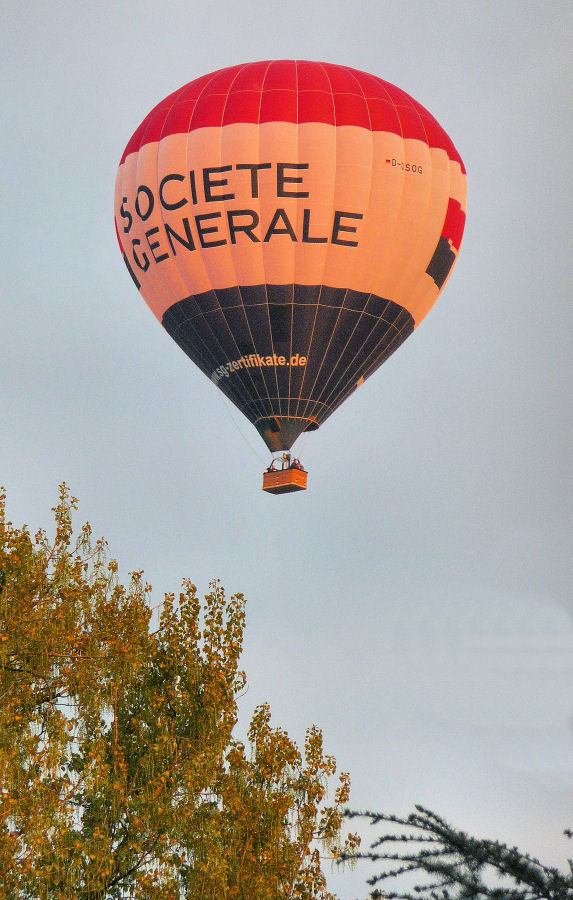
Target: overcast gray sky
(416, 601)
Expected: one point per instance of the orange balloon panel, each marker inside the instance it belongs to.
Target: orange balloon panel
(289, 224)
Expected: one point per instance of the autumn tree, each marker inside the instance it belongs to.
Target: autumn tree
(453, 864)
(120, 776)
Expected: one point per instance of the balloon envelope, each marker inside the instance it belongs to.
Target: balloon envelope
(289, 223)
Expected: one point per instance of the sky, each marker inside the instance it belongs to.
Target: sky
(416, 601)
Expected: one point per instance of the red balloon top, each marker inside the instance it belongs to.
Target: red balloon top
(291, 91)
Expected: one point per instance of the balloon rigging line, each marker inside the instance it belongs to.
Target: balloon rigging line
(251, 444)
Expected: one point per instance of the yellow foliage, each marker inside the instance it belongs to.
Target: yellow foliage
(119, 773)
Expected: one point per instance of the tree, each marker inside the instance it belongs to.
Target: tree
(119, 773)
(455, 864)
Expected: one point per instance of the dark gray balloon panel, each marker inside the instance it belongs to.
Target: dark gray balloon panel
(287, 355)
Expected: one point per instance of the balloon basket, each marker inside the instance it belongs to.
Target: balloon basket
(285, 481)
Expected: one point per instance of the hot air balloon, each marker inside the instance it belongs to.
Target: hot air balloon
(289, 223)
